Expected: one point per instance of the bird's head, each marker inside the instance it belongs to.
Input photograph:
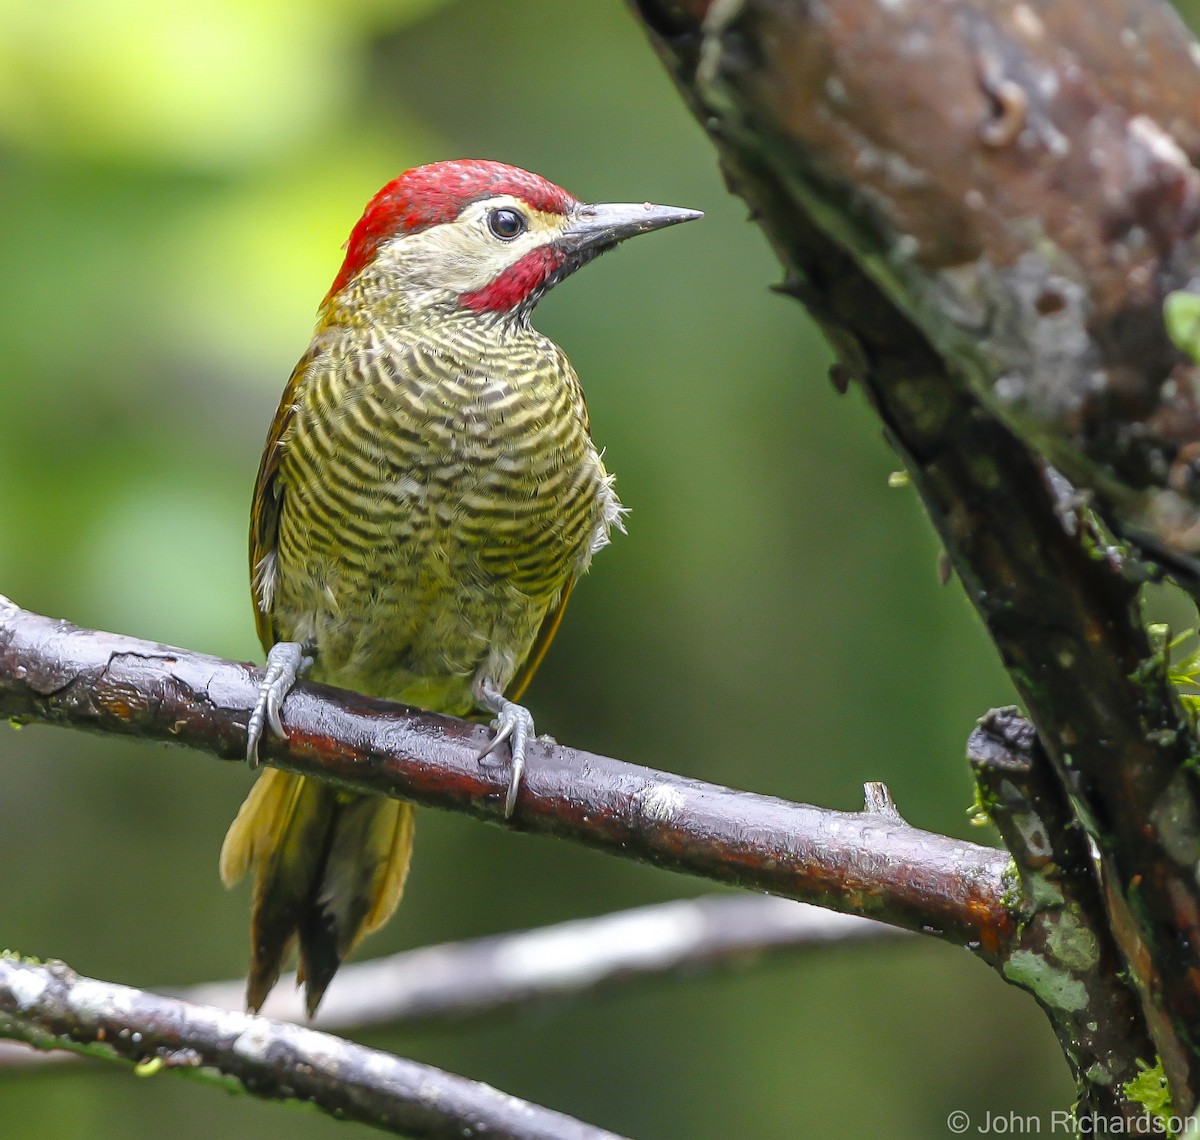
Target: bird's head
(480, 236)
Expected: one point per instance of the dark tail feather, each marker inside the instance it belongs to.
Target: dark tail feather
(370, 845)
(331, 867)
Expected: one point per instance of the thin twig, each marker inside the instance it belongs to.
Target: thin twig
(485, 975)
(870, 863)
(50, 1006)
(482, 976)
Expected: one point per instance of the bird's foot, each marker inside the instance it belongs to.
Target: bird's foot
(286, 662)
(513, 723)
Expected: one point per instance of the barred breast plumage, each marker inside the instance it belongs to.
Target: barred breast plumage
(438, 495)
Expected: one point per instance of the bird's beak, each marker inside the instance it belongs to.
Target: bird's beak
(603, 225)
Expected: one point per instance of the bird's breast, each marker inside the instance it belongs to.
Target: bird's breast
(439, 502)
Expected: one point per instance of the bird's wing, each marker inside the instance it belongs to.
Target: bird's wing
(533, 659)
(268, 504)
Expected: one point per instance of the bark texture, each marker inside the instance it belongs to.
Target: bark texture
(985, 203)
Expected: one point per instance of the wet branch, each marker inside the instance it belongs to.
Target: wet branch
(870, 863)
(49, 1006)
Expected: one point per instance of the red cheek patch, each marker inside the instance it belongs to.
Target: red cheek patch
(517, 283)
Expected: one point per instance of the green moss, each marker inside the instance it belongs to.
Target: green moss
(1070, 942)
(1183, 670)
(1181, 316)
(980, 811)
(1013, 896)
(1043, 892)
(23, 959)
(1149, 1089)
(1150, 669)
(1052, 985)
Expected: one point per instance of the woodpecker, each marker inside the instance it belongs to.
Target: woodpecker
(428, 494)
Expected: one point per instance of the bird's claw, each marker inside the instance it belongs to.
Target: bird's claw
(286, 661)
(513, 723)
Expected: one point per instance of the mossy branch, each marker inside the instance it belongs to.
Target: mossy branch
(1068, 958)
(928, 176)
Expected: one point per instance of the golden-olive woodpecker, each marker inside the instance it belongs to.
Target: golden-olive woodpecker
(428, 494)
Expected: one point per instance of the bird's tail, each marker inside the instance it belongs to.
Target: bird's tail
(330, 868)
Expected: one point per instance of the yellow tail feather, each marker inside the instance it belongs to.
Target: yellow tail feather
(330, 868)
(395, 867)
(271, 800)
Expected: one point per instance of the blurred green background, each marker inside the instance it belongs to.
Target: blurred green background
(175, 182)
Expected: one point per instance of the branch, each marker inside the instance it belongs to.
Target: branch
(486, 975)
(483, 976)
(1069, 959)
(50, 1006)
(983, 204)
(870, 863)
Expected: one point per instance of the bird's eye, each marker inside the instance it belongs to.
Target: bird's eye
(506, 224)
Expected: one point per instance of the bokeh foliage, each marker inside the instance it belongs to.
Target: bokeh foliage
(175, 182)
